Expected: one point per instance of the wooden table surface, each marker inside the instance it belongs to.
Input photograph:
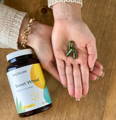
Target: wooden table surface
(100, 103)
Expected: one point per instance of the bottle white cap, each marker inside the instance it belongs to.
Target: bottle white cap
(18, 53)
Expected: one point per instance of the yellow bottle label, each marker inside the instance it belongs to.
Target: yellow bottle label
(29, 88)
(37, 76)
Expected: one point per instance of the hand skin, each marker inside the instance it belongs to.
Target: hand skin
(70, 26)
(97, 72)
(40, 41)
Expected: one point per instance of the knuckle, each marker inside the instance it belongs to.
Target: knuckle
(69, 60)
(70, 83)
(61, 66)
(56, 54)
(77, 75)
(68, 71)
(59, 54)
(84, 62)
(85, 84)
(62, 74)
(76, 61)
(79, 87)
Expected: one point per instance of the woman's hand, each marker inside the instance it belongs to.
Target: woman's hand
(40, 41)
(70, 26)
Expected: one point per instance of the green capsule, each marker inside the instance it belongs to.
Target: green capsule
(69, 52)
(75, 54)
(71, 45)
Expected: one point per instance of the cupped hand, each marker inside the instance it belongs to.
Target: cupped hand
(74, 73)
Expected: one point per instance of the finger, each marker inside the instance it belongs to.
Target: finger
(77, 82)
(61, 71)
(85, 78)
(93, 76)
(82, 59)
(98, 65)
(97, 71)
(92, 55)
(70, 81)
(53, 70)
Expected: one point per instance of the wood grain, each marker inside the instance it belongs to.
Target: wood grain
(100, 104)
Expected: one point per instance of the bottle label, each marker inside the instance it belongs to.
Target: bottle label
(29, 88)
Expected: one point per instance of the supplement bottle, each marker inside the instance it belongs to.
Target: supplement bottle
(27, 83)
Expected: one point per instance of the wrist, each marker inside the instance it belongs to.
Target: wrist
(67, 11)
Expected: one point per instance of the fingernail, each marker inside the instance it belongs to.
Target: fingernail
(102, 67)
(77, 99)
(102, 76)
(98, 78)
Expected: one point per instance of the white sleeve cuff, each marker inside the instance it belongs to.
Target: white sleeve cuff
(53, 2)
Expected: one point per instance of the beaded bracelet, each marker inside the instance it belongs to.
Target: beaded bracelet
(26, 32)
